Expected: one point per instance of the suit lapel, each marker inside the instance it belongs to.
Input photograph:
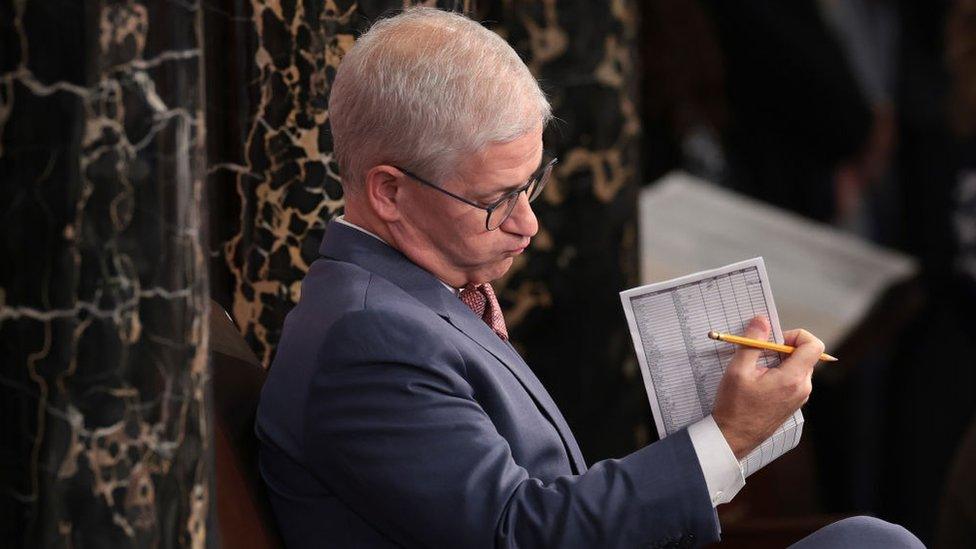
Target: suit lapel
(468, 323)
(348, 244)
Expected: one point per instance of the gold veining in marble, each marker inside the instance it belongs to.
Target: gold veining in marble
(268, 219)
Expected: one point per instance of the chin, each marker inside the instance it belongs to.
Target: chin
(502, 268)
(493, 272)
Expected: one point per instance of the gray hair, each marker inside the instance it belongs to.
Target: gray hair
(424, 88)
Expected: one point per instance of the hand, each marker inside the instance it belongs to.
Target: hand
(752, 400)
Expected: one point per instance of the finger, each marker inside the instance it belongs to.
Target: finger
(745, 357)
(807, 353)
(789, 336)
(797, 337)
(804, 337)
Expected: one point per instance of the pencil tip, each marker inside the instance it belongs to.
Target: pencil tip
(829, 358)
(713, 335)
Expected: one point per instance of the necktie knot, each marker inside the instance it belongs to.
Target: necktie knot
(481, 299)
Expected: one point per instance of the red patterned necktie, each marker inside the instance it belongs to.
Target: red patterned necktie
(481, 299)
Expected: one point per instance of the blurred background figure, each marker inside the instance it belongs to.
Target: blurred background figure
(933, 389)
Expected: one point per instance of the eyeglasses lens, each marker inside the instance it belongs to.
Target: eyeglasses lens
(500, 214)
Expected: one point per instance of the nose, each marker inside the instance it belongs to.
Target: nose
(522, 221)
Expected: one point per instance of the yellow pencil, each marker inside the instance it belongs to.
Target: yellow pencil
(749, 342)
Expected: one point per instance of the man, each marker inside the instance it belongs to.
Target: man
(396, 412)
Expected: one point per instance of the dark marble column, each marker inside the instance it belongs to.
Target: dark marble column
(103, 384)
(273, 183)
(561, 297)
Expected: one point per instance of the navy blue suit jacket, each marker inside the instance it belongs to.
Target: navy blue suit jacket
(393, 416)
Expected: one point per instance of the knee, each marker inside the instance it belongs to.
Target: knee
(866, 532)
(892, 534)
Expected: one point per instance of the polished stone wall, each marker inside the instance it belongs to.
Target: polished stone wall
(274, 184)
(103, 285)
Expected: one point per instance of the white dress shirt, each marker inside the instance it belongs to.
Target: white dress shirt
(723, 474)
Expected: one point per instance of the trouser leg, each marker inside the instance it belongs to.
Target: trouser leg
(860, 533)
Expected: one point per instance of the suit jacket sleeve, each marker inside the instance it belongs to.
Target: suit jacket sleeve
(400, 437)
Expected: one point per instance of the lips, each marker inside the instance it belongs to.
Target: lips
(520, 248)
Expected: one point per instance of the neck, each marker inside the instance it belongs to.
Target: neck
(422, 254)
(357, 216)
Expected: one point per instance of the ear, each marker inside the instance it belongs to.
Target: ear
(383, 186)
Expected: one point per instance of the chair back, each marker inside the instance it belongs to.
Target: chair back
(244, 514)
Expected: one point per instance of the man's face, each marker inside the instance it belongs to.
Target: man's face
(448, 237)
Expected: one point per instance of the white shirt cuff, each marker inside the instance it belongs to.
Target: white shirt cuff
(723, 475)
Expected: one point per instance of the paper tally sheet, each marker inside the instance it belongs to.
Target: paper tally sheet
(669, 322)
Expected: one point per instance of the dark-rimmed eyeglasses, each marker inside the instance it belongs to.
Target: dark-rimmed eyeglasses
(499, 210)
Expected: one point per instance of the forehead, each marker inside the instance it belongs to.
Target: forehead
(504, 164)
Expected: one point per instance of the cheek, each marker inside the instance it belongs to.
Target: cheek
(433, 217)
(458, 218)
(472, 248)
(469, 229)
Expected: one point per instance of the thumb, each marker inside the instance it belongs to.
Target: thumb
(745, 358)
